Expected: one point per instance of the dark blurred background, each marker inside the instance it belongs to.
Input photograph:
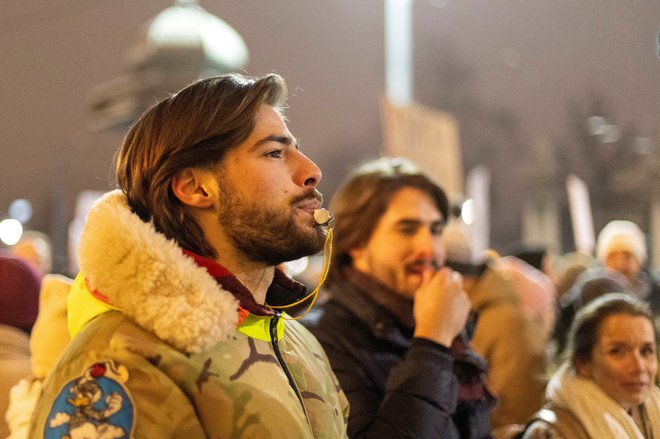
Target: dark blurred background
(539, 90)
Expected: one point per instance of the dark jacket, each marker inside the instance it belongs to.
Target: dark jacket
(399, 386)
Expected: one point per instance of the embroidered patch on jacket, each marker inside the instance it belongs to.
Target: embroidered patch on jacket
(94, 405)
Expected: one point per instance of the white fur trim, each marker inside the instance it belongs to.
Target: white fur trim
(149, 278)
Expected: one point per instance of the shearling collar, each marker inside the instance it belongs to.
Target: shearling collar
(152, 281)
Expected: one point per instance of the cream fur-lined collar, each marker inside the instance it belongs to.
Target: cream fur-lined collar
(151, 281)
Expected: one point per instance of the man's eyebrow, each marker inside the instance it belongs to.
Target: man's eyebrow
(408, 222)
(416, 222)
(284, 140)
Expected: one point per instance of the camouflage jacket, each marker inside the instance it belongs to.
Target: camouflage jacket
(169, 345)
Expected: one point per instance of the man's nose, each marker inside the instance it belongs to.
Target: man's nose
(425, 244)
(307, 173)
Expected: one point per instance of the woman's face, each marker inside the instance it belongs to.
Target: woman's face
(623, 361)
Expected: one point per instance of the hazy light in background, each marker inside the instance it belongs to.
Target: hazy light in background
(21, 210)
(467, 212)
(594, 123)
(398, 49)
(606, 132)
(84, 202)
(609, 134)
(11, 231)
(643, 145)
(439, 3)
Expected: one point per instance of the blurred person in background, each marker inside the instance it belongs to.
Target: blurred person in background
(569, 267)
(537, 292)
(36, 248)
(19, 304)
(48, 339)
(511, 337)
(592, 283)
(394, 326)
(606, 387)
(621, 246)
(538, 256)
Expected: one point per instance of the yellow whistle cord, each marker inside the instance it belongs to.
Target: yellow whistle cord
(327, 253)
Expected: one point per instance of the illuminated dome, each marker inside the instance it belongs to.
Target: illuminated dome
(179, 45)
(188, 32)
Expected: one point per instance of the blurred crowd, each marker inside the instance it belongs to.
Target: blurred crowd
(525, 298)
(524, 301)
(529, 310)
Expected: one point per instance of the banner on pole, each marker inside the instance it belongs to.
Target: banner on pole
(581, 218)
(428, 137)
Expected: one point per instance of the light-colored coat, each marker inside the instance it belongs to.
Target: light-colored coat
(14, 366)
(513, 346)
(170, 353)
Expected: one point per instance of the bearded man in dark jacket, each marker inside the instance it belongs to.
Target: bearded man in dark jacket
(405, 365)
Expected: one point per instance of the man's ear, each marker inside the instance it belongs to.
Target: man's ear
(192, 187)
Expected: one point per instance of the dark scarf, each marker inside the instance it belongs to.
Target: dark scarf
(469, 367)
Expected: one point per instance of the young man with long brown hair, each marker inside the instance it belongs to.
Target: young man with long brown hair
(176, 331)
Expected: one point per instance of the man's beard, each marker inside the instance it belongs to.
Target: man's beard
(266, 233)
